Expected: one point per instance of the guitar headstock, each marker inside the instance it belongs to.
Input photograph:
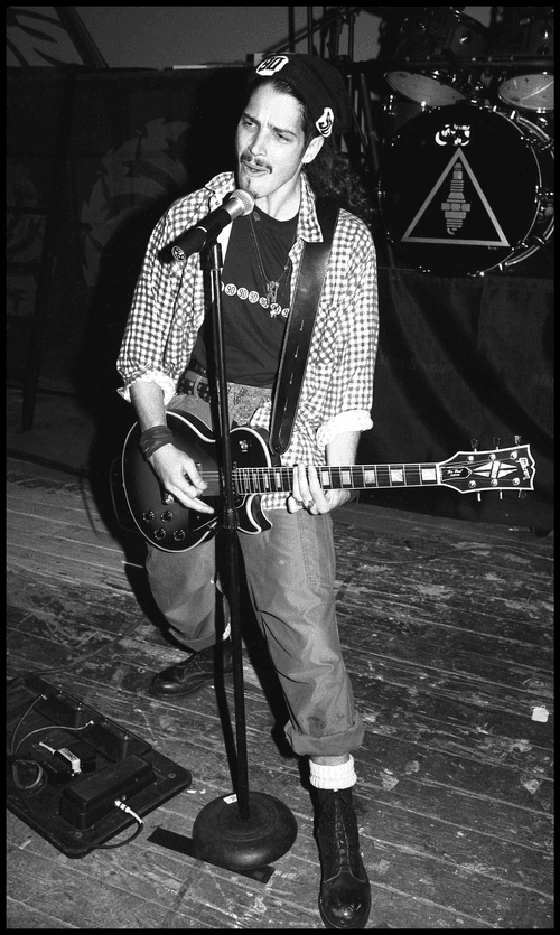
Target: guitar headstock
(498, 469)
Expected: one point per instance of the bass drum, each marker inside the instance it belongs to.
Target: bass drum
(467, 189)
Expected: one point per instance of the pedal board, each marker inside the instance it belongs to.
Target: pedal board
(65, 782)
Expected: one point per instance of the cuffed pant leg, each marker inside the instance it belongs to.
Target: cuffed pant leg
(290, 571)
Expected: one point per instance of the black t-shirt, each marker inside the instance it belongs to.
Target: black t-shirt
(253, 328)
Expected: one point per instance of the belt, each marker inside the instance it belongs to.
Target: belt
(195, 367)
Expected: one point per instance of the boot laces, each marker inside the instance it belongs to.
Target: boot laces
(342, 843)
(204, 660)
(342, 823)
(198, 661)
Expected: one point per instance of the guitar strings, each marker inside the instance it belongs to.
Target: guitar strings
(279, 479)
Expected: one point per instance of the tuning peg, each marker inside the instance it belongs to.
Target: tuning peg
(474, 446)
(497, 442)
(517, 440)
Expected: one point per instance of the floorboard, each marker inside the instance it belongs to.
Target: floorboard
(447, 632)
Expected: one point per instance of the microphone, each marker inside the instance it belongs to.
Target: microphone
(235, 205)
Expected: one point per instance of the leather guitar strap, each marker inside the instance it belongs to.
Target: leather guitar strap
(311, 276)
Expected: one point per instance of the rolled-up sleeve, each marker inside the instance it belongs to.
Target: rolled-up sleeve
(341, 382)
(168, 303)
(145, 341)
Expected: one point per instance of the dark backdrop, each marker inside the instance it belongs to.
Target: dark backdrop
(459, 358)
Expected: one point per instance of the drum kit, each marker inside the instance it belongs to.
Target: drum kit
(466, 183)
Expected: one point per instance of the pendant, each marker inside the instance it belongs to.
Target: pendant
(272, 292)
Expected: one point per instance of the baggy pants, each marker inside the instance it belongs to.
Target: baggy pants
(290, 571)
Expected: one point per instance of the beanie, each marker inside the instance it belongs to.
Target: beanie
(319, 85)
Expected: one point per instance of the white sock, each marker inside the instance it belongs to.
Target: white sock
(332, 777)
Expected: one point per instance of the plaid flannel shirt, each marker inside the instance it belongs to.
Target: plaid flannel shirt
(169, 306)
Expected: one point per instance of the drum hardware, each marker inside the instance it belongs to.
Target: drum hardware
(397, 110)
(389, 106)
(435, 46)
(527, 44)
(467, 189)
(392, 104)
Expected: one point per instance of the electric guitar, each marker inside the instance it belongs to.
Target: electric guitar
(172, 527)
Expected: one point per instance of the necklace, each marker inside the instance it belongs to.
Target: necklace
(272, 285)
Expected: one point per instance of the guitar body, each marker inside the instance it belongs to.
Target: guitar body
(168, 524)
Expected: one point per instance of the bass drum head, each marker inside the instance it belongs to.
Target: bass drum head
(466, 189)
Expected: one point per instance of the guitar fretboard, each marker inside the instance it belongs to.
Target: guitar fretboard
(279, 480)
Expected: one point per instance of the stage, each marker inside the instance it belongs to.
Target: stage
(447, 631)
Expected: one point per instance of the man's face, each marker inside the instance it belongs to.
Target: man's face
(270, 145)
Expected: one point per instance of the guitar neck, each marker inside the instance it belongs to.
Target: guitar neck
(353, 477)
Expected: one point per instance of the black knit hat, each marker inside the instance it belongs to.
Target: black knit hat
(319, 85)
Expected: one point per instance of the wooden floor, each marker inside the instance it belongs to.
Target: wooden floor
(447, 630)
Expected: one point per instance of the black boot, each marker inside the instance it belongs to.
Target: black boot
(185, 678)
(345, 893)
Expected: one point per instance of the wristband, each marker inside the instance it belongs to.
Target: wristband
(154, 438)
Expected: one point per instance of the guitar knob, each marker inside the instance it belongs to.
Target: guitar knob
(160, 534)
(166, 517)
(179, 535)
(148, 516)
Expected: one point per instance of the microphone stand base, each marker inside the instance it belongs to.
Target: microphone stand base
(222, 837)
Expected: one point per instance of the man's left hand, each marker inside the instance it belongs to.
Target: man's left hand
(308, 493)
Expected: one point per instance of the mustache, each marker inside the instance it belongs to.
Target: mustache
(254, 163)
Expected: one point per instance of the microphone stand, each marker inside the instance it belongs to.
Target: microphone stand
(261, 828)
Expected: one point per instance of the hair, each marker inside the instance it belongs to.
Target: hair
(330, 174)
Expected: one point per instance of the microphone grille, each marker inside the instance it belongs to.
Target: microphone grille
(246, 200)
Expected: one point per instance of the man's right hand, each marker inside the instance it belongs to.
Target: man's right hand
(180, 477)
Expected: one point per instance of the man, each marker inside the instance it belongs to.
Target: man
(284, 158)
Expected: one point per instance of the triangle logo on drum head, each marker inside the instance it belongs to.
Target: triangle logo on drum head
(456, 212)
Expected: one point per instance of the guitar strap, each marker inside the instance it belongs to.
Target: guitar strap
(295, 351)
